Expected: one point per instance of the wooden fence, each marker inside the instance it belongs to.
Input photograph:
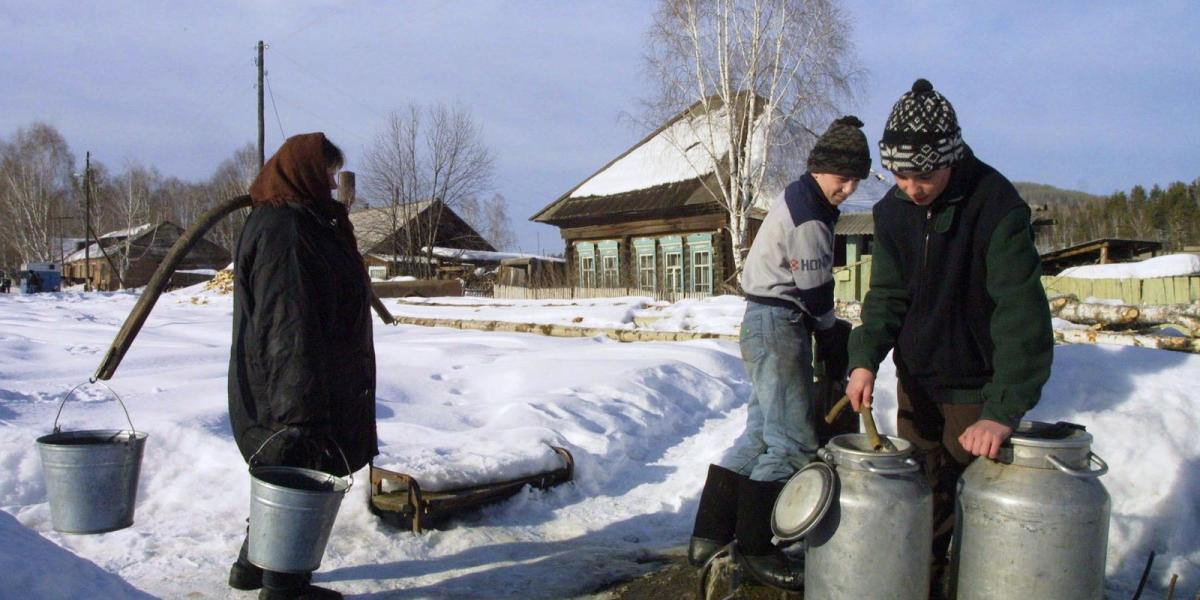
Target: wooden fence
(1157, 290)
(513, 292)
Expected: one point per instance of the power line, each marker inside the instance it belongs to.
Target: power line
(271, 93)
(330, 85)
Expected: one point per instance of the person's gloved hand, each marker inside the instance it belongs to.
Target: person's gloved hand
(833, 348)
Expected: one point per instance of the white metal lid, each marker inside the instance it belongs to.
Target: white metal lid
(803, 502)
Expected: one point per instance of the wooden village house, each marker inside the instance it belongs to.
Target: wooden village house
(393, 241)
(128, 258)
(647, 223)
(642, 225)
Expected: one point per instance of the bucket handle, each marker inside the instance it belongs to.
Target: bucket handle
(910, 466)
(110, 390)
(335, 445)
(1082, 473)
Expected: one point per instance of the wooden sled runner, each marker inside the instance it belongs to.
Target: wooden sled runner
(397, 498)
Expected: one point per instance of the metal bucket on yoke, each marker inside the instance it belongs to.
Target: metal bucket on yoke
(292, 511)
(91, 475)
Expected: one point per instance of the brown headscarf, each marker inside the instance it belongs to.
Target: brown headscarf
(299, 173)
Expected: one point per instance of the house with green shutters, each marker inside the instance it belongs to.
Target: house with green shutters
(647, 223)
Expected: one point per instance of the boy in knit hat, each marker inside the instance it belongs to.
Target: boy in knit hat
(956, 292)
(788, 281)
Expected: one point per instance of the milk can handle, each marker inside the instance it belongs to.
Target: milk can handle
(335, 445)
(110, 390)
(910, 466)
(1083, 473)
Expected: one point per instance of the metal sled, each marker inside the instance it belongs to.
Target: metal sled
(398, 499)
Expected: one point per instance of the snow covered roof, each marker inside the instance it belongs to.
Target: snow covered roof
(484, 255)
(92, 249)
(662, 172)
(1171, 265)
(131, 232)
(109, 239)
(679, 152)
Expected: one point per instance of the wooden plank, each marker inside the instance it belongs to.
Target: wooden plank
(1180, 292)
(1155, 291)
(678, 225)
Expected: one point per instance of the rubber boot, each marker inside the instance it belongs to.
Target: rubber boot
(243, 575)
(715, 516)
(756, 554)
(293, 586)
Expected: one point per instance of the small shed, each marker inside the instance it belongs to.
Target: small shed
(1099, 252)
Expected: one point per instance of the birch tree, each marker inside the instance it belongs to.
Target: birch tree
(490, 220)
(425, 158)
(766, 77)
(35, 185)
(232, 178)
(133, 208)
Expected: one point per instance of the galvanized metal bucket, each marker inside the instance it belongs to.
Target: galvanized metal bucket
(91, 475)
(292, 511)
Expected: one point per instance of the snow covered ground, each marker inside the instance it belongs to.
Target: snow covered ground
(642, 420)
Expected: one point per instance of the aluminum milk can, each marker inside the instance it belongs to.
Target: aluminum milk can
(1033, 524)
(874, 539)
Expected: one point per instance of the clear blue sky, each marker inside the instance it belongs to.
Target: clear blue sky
(1095, 96)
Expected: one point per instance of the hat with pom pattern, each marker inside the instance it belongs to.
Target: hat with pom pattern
(922, 133)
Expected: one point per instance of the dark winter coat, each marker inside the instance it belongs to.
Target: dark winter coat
(303, 357)
(956, 290)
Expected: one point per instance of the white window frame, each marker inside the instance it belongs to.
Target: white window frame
(587, 271)
(702, 272)
(673, 274)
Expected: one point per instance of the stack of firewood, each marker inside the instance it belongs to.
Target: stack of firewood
(221, 283)
(1127, 325)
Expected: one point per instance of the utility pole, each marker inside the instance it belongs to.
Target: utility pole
(87, 223)
(261, 124)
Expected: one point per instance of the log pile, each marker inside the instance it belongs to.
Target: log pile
(1127, 325)
(221, 283)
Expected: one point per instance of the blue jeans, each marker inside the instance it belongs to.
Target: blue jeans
(780, 434)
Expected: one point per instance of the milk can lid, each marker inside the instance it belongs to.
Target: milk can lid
(803, 502)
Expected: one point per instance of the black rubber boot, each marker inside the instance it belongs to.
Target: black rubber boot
(756, 554)
(715, 516)
(293, 586)
(243, 575)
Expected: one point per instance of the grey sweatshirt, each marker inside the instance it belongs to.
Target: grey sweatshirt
(791, 259)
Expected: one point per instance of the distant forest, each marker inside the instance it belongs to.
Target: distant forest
(1170, 215)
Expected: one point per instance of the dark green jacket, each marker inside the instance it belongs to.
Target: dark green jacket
(956, 290)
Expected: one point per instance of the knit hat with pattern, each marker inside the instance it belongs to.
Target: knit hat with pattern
(922, 133)
(841, 150)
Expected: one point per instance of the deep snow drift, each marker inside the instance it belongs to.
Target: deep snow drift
(642, 420)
